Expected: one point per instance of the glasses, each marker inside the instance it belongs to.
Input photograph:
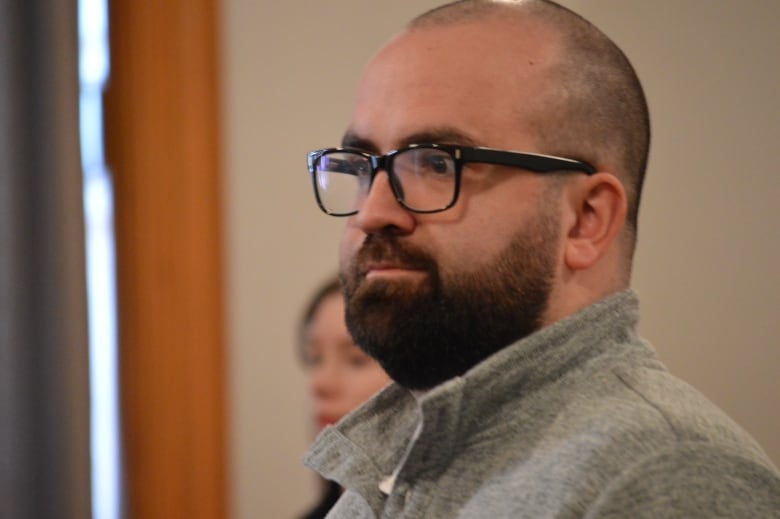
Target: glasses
(425, 178)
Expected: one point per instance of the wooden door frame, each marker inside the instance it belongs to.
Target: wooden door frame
(163, 149)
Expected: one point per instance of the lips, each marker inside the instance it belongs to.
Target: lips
(386, 267)
(325, 420)
(384, 263)
(377, 265)
(385, 254)
(372, 260)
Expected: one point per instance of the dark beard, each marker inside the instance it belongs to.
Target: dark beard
(426, 333)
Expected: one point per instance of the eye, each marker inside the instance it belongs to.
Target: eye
(359, 361)
(346, 163)
(438, 164)
(435, 163)
(355, 357)
(311, 359)
(360, 167)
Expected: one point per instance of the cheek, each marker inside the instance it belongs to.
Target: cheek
(349, 244)
(481, 235)
(465, 248)
(367, 383)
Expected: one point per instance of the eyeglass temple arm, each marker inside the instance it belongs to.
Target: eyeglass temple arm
(532, 161)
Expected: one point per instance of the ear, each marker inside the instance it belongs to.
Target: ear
(598, 204)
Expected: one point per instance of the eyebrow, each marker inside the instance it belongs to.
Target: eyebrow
(437, 135)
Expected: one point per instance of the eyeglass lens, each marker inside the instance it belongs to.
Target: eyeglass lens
(422, 178)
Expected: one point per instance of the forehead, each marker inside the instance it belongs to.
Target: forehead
(330, 310)
(481, 78)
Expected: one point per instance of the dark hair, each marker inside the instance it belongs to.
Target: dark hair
(329, 287)
(331, 491)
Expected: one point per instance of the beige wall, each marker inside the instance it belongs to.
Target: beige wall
(709, 243)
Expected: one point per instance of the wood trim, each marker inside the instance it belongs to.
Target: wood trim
(162, 141)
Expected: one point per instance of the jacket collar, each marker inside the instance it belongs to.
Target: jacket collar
(369, 443)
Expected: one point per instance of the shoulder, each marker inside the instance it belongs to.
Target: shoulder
(691, 418)
(691, 479)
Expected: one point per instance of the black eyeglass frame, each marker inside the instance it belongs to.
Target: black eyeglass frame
(536, 162)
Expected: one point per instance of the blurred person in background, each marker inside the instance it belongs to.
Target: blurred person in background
(340, 375)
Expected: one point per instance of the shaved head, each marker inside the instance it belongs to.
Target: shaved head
(593, 108)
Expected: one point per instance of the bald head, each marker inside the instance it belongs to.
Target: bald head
(514, 250)
(592, 107)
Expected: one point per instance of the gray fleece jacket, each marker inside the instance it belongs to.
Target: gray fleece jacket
(579, 420)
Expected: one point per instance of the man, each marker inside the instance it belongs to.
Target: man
(491, 175)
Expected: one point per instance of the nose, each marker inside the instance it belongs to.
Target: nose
(324, 381)
(381, 211)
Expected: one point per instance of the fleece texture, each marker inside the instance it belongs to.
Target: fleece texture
(578, 420)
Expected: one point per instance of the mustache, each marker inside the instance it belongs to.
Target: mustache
(380, 248)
